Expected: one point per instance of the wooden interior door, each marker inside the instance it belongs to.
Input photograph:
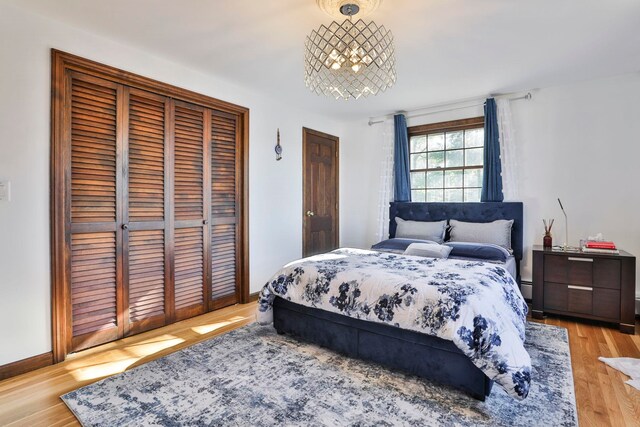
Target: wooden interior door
(93, 224)
(320, 192)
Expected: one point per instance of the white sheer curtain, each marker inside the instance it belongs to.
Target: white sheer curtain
(385, 194)
(508, 158)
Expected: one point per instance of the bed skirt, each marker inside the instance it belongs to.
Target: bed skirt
(412, 352)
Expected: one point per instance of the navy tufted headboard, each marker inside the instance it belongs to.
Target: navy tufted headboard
(472, 212)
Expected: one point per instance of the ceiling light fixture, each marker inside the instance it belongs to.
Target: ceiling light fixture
(351, 59)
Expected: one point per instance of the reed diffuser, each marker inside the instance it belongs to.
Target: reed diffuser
(547, 240)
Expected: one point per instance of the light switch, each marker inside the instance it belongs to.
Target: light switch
(5, 191)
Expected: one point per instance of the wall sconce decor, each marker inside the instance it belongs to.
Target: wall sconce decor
(278, 147)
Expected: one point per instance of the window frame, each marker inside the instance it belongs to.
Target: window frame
(442, 127)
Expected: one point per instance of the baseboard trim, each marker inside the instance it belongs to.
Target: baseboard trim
(254, 296)
(526, 287)
(26, 365)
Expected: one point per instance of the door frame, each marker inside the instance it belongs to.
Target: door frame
(62, 64)
(305, 132)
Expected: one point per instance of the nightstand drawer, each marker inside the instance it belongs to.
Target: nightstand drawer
(568, 298)
(580, 299)
(568, 269)
(574, 299)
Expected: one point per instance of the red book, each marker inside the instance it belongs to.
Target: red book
(600, 245)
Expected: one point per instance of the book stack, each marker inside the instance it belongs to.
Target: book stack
(600, 247)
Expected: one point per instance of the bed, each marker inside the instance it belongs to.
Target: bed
(409, 348)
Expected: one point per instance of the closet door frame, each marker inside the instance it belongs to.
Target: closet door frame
(62, 65)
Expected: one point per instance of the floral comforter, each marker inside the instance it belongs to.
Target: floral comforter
(476, 305)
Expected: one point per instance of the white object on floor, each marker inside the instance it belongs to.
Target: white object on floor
(628, 366)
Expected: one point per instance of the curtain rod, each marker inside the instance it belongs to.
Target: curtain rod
(372, 122)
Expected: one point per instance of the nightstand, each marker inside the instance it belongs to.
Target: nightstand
(586, 285)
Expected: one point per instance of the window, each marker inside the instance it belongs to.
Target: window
(447, 161)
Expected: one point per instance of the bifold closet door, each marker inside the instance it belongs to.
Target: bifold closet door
(148, 217)
(191, 208)
(148, 191)
(225, 212)
(148, 295)
(94, 238)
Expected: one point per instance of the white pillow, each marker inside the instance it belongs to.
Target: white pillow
(497, 232)
(425, 230)
(430, 250)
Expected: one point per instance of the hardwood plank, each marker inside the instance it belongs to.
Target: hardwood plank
(33, 399)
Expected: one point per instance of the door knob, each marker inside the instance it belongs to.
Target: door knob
(125, 227)
(310, 213)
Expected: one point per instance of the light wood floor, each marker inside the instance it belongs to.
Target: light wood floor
(602, 397)
(33, 399)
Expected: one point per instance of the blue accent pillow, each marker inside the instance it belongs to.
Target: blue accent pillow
(485, 251)
(398, 245)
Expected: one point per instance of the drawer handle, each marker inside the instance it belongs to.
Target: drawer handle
(580, 259)
(580, 288)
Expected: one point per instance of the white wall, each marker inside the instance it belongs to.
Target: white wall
(360, 162)
(579, 142)
(275, 187)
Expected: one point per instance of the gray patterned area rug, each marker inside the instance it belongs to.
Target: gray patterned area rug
(252, 376)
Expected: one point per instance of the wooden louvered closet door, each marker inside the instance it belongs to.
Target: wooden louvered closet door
(191, 133)
(146, 210)
(94, 238)
(147, 197)
(224, 209)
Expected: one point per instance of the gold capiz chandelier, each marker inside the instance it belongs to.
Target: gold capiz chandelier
(350, 59)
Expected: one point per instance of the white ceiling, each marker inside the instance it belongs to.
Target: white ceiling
(446, 49)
